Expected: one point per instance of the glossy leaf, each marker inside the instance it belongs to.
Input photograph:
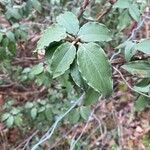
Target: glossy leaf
(138, 68)
(62, 59)
(95, 68)
(94, 32)
(69, 21)
(144, 46)
(54, 33)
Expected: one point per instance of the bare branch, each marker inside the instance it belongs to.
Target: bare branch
(51, 130)
(129, 86)
(83, 7)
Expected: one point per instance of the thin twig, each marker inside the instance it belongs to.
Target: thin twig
(83, 7)
(119, 128)
(26, 142)
(79, 137)
(63, 137)
(73, 143)
(132, 36)
(51, 130)
(104, 13)
(129, 86)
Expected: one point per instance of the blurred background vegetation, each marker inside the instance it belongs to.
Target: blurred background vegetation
(30, 101)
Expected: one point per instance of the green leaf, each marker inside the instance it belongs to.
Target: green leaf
(62, 58)
(138, 68)
(1, 37)
(91, 97)
(54, 33)
(18, 120)
(95, 68)
(122, 4)
(129, 50)
(10, 121)
(10, 36)
(26, 70)
(74, 116)
(134, 12)
(5, 116)
(94, 32)
(124, 20)
(49, 51)
(36, 4)
(34, 113)
(141, 103)
(5, 42)
(13, 13)
(43, 79)
(144, 46)
(65, 82)
(3, 54)
(69, 21)
(85, 112)
(143, 85)
(37, 69)
(49, 114)
(12, 47)
(76, 75)
(15, 111)
(41, 109)
(41, 102)
(28, 105)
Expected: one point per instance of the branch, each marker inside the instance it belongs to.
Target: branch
(129, 86)
(101, 15)
(132, 36)
(73, 143)
(51, 130)
(26, 142)
(83, 7)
